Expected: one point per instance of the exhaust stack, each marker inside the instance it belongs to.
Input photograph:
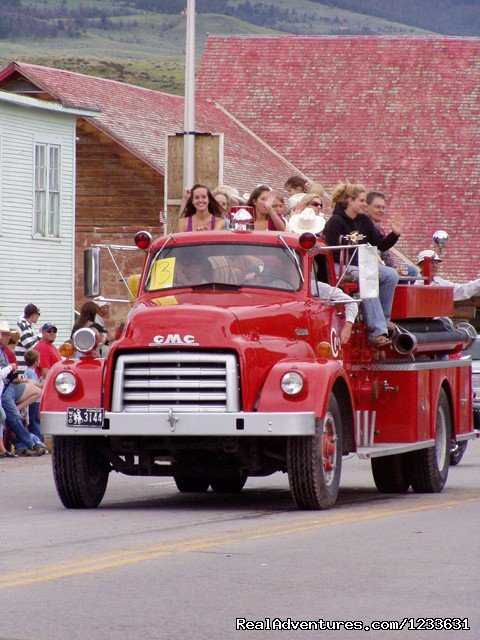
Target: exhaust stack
(444, 337)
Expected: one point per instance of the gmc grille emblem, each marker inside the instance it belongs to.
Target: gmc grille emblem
(174, 338)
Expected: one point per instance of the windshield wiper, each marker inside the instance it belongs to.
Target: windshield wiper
(293, 257)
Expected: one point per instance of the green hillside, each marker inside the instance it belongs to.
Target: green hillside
(448, 17)
(132, 42)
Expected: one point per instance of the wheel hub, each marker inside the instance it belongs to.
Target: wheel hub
(329, 448)
(441, 437)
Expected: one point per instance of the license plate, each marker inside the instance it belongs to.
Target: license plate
(85, 417)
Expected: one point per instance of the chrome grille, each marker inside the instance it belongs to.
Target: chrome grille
(184, 381)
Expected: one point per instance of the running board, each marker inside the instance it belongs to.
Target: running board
(386, 449)
(468, 436)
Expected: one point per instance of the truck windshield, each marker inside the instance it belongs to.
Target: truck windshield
(245, 265)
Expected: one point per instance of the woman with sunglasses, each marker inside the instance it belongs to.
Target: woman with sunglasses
(266, 217)
(312, 200)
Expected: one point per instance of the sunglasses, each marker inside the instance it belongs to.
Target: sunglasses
(50, 330)
(315, 204)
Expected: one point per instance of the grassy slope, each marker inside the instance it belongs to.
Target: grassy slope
(151, 52)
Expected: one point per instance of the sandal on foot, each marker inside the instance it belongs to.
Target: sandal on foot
(392, 328)
(379, 341)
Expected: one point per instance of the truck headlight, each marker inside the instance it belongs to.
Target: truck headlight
(85, 340)
(291, 383)
(65, 383)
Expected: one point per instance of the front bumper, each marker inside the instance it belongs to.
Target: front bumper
(186, 424)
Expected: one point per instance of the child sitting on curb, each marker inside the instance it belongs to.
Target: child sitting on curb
(32, 359)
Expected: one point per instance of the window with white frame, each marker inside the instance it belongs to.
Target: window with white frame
(46, 218)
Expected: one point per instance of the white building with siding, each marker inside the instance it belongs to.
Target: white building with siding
(37, 209)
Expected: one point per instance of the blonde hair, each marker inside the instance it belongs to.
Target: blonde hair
(316, 187)
(307, 199)
(344, 191)
(229, 193)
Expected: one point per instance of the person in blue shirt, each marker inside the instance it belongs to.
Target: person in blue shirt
(32, 359)
(26, 444)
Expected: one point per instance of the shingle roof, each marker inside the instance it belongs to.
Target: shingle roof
(140, 118)
(399, 114)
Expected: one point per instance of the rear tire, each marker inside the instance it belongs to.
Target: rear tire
(391, 474)
(80, 471)
(188, 484)
(234, 484)
(315, 463)
(430, 466)
(457, 454)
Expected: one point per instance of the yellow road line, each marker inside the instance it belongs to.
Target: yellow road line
(155, 551)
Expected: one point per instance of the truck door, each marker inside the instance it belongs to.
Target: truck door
(325, 320)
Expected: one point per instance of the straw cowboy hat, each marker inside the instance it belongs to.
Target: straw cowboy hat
(294, 200)
(4, 328)
(307, 220)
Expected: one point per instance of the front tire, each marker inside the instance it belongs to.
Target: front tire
(430, 466)
(80, 471)
(315, 463)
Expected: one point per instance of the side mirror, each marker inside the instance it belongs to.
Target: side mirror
(91, 272)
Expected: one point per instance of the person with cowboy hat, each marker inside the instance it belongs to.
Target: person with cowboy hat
(306, 220)
(460, 291)
(25, 443)
(5, 371)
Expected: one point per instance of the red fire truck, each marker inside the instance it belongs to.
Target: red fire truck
(230, 366)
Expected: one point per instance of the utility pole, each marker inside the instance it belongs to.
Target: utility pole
(189, 115)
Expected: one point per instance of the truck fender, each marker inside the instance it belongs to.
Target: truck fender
(320, 376)
(88, 392)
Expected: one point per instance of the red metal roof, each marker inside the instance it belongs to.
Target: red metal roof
(139, 120)
(399, 114)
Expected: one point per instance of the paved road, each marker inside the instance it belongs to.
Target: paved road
(151, 563)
